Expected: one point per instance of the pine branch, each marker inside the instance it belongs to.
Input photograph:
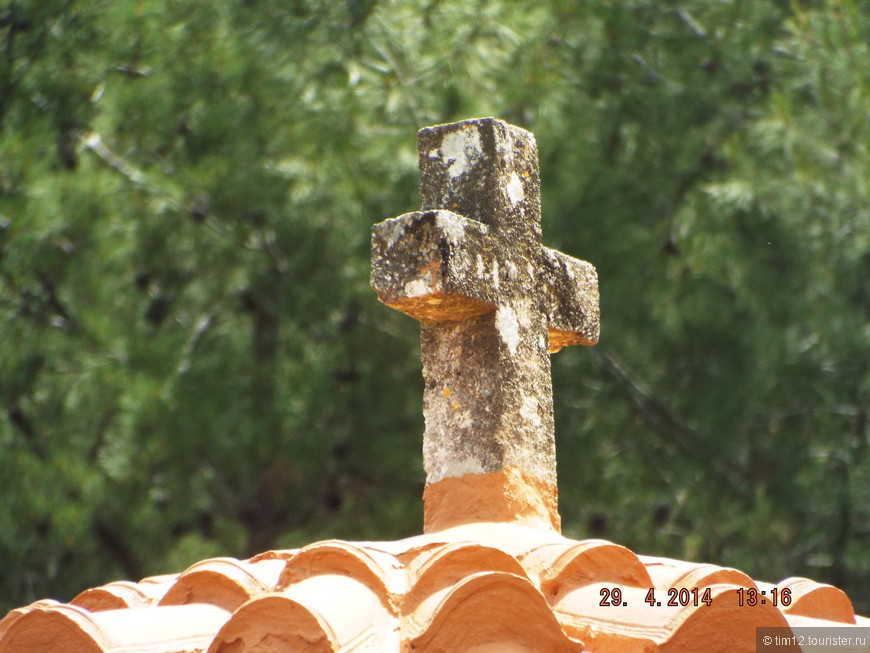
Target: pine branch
(94, 142)
(663, 420)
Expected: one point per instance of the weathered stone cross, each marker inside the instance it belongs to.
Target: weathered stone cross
(492, 301)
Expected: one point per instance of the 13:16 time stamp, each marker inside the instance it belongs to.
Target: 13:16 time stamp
(749, 596)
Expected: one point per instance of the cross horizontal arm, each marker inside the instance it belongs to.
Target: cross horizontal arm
(571, 294)
(443, 267)
(435, 266)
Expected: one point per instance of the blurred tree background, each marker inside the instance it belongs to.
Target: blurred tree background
(192, 363)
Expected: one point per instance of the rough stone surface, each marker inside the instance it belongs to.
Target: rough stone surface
(571, 287)
(492, 301)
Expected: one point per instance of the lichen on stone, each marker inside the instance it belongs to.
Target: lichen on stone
(460, 150)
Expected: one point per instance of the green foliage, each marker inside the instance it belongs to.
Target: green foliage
(193, 364)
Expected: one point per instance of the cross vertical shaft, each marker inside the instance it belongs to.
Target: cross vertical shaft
(487, 392)
(492, 301)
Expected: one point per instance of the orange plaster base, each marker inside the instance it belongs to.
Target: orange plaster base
(509, 495)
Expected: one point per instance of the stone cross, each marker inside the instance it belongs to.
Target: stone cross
(492, 302)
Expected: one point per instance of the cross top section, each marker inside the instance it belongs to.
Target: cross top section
(492, 302)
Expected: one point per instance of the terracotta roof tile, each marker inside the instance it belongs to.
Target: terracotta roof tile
(124, 594)
(476, 587)
(812, 599)
(224, 582)
(566, 565)
(489, 609)
(677, 573)
(328, 612)
(378, 570)
(14, 615)
(72, 629)
(440, 569)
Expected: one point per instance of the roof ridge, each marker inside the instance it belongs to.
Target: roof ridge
(423, 591)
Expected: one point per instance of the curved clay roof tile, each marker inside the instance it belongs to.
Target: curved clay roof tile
(817, 600)
(326, 613)
(666, 572)
(120, 594)
(443, 567)
(379, 570)
(225, 582)
(564, 566)
(73, 629)
(502, 611)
